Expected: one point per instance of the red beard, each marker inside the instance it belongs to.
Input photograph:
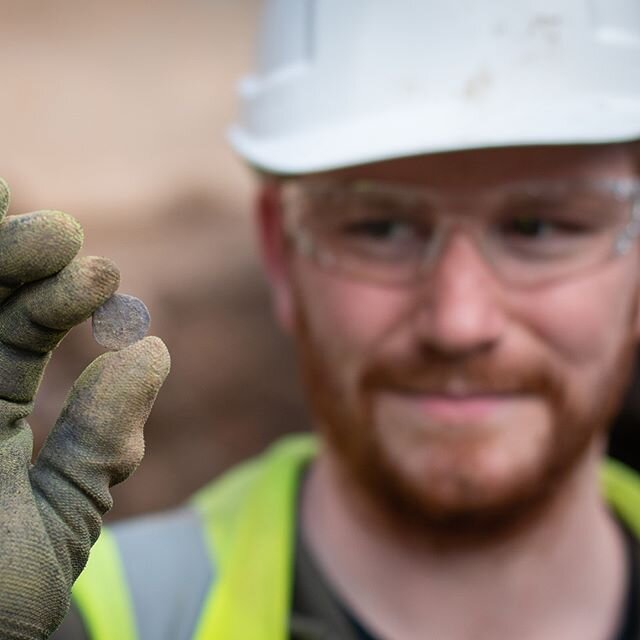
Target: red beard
(347, 417)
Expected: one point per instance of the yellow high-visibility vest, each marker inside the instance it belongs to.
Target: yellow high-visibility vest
(249, 518)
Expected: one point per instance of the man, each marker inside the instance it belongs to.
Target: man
(449, 214)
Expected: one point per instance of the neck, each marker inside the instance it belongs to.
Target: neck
(399, 580)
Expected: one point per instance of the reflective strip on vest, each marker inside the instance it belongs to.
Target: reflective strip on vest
(249, 518)
(166, 566)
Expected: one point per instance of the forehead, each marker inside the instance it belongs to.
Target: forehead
(487, 167)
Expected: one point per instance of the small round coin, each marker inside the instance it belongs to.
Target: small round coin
(120, 321)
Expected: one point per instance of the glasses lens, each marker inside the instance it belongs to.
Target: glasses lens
(377, 233)
(546, 232)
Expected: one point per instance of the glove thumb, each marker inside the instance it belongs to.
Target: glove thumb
(96, 442)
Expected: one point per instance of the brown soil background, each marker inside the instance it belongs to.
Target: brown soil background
(116, 112)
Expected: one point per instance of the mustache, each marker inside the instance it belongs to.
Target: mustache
(470, 375)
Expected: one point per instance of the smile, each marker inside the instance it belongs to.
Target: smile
(451, 407)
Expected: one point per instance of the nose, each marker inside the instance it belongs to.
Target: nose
(461, 304)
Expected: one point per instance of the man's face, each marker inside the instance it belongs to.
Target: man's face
(461, 400)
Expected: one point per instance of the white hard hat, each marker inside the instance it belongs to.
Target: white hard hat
(346, 82)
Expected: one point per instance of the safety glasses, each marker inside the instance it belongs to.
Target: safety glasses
(530, 233)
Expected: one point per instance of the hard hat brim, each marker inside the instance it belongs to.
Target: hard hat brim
(448, 126)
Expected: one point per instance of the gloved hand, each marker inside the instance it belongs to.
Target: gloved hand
(50, 513)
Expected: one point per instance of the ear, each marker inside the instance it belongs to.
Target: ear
(274, 249)
(636, 303)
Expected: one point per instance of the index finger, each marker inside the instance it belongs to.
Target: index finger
(34, 246)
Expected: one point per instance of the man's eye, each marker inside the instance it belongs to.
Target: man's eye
(528, 227)
(385, 239)
(536, 227)
(380, 229)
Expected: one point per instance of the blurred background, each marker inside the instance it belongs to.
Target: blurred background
(116, 112)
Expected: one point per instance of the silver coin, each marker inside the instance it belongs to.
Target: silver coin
(120, 321)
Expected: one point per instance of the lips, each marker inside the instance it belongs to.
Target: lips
(455, 408)
(448, 407)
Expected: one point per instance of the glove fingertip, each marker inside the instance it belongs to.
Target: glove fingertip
(158, 353)
(64, 225)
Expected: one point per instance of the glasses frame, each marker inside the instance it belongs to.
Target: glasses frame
(301, 238)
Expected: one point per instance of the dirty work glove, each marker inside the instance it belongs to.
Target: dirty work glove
(50, 513)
